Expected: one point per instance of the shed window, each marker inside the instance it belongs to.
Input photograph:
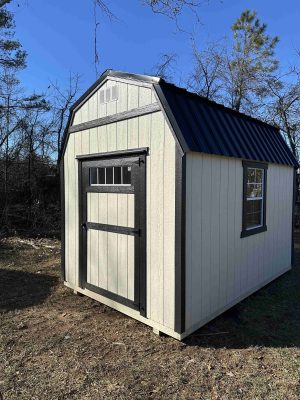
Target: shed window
(110, 176)
(254, 198)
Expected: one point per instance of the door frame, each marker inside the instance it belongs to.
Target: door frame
(140, 264)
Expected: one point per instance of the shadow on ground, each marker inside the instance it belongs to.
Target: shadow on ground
(270, 318)
(19, 289)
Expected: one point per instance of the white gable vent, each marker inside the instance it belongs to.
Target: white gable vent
(109, 94)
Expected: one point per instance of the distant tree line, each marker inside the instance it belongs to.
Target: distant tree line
(31, 127)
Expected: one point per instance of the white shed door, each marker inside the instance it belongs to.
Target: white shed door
(112, 240)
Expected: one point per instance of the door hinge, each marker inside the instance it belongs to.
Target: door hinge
(139, 161)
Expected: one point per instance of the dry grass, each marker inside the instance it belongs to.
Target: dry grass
(55, 345)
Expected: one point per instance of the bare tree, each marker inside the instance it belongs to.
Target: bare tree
(32, 140)
(61, 100)
(165, 66)
(283, 109)
(27, 136)
(105, 10)
(206, 77)
(18, 138)
(170, 8)
(173, 8)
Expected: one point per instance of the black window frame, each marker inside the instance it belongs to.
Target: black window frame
(253, 231)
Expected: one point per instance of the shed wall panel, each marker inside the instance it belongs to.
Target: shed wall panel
(146, 131)
(130, 96)
(221, 267)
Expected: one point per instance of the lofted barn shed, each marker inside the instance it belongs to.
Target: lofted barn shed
(175, 208)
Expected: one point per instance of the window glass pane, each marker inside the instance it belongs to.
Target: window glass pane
(258, 190)
(251, 175)
(126, 175)
(117, 175)
(254, 190)
(101, 176)
(255, 175)
(259, 175)
(93, 176)
(253, 213)
(109, 175)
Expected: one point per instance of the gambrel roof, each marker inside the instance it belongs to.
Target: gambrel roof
(201, 125)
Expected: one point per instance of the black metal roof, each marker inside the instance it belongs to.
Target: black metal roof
(211, 128)
(204, 126)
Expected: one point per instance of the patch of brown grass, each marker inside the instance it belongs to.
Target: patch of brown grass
(55, 345)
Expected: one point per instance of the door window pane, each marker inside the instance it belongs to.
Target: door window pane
(109, 176)
(101, 176)
(126, 175)
(117, 175)
(93, 176)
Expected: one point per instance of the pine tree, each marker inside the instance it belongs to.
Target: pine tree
(251, 62)
(11, 53)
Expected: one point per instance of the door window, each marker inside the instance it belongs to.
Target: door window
(110, 176)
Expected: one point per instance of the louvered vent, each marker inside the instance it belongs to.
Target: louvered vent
(109, 94)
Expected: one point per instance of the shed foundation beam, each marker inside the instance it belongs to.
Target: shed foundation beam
(157, 332)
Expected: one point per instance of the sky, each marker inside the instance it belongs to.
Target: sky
(58, 36)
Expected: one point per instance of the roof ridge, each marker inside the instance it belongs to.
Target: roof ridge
(129, 75)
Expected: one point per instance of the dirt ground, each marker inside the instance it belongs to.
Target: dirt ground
(55, 345)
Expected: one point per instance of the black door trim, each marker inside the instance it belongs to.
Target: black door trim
(139, 231)
(112, 296)
(180, 242)
(111, 189)
(140, 212)
(124, 230)
(114, 154)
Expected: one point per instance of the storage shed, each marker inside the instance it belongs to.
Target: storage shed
(175, 208)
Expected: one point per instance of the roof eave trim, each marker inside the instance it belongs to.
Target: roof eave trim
(171, 118)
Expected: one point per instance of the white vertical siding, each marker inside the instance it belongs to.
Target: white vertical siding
(117, 248)
(222, 267)
(146, 131)
(130, 96)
